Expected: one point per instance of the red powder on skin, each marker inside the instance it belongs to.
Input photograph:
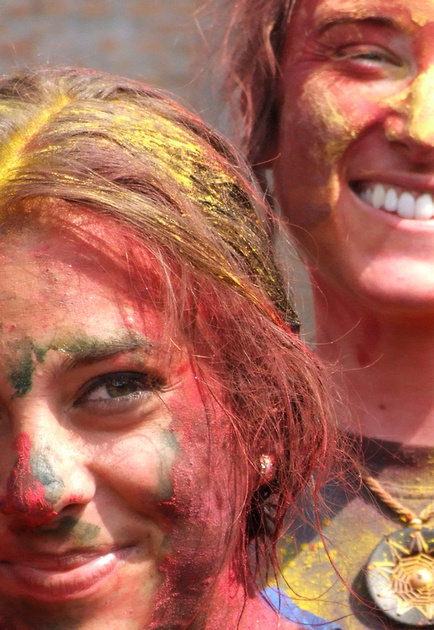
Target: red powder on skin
(25, 494)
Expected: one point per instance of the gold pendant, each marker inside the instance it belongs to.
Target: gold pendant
(400, 576)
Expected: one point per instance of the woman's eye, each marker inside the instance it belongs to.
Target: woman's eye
(369, 56)
(119, 388)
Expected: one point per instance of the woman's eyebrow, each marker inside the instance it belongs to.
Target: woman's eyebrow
(326, 22)
(87, 350)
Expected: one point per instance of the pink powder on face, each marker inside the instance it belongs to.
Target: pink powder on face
(25, 494)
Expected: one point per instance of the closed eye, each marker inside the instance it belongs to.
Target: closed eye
(367, 54)
(369, 62)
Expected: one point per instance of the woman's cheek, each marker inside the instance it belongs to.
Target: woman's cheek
(145, 465)
(336, 120)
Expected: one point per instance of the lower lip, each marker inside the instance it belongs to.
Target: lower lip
(54, 585)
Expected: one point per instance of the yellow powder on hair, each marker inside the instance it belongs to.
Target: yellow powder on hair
(10, 152)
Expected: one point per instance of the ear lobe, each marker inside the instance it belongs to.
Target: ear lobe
(267, 463)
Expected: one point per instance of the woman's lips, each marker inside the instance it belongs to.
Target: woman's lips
(56, 578)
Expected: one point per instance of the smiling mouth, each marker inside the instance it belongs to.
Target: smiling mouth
(56, 579)
(406, 204)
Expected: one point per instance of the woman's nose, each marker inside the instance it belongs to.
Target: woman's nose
(43, 481)
(410, 118)
(25, 494)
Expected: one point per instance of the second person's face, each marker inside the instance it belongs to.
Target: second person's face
(355, 172)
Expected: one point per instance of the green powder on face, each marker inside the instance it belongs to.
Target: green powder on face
(29, 354)
(43, 471)
(71, 527)
(40, 352)
(21, 375)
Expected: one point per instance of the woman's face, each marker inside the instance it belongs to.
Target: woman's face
(116, 504)
(355, 172)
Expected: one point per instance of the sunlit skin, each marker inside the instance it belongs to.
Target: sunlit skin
(112, 513)
(357, 112)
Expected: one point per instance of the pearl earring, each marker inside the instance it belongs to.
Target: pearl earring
(267, 465)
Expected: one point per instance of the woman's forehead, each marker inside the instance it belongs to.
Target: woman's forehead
(51, 305)
(418, 12)
(55, 253)
(73, 236)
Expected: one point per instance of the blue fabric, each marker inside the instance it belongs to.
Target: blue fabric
(291, 612)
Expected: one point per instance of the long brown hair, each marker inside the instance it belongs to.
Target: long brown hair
(124, 151)
(247, 38)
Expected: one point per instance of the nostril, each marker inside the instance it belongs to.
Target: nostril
(412, 133)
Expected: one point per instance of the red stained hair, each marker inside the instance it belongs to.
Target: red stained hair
(74, 139)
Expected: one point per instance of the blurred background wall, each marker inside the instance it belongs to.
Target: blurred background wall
(157, 41)
(150, 39)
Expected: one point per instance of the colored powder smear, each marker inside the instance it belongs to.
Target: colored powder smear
(21, 378)
(25, 494)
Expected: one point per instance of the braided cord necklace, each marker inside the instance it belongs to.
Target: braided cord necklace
(400, 571)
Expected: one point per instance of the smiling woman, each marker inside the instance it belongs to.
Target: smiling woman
(337, 98)
(157, 414)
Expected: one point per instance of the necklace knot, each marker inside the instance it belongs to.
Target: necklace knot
(416, 523)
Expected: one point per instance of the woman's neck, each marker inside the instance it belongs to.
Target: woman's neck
(384, 367)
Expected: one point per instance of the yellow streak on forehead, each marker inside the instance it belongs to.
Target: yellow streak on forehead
(418, 12)
(10, 152)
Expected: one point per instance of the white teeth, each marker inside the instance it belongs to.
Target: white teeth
(424, 207)
(378, 196)
(391, 201)
(407, 205)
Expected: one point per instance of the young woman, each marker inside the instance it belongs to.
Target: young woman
(337, 96)
(157, 414)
